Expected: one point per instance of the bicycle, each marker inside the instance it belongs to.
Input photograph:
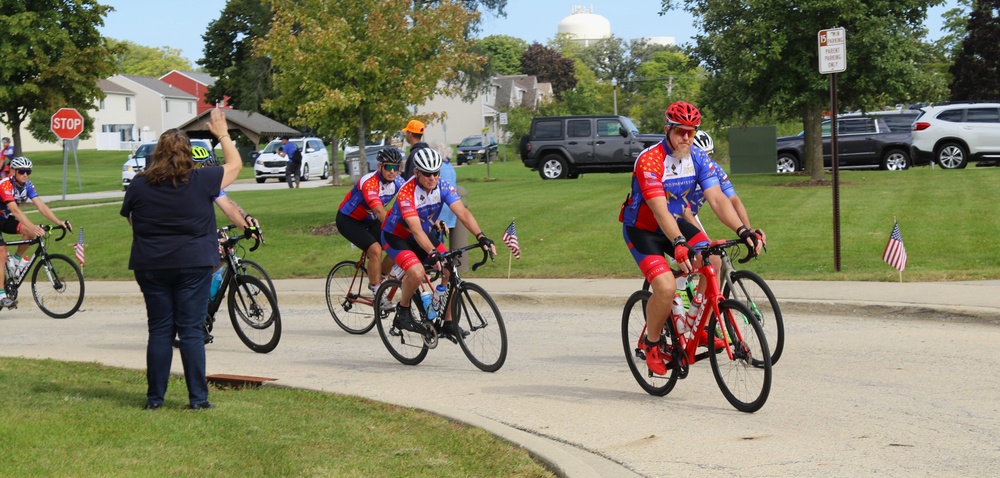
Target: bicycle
(481, 332)
(749, 288)
(253, 309)
(59, 293)
(735, 343)
(346, 288)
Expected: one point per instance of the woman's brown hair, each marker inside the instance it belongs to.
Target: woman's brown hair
(171, 160)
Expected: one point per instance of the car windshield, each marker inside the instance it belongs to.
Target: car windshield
(472, 141)
(143, 151)
(631, 126)
(273, 146)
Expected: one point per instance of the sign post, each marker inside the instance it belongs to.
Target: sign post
(833, 60)
(67, 124)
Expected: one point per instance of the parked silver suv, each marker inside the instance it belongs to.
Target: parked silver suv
(955, 133)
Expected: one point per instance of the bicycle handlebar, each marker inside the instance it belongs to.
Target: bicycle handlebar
(717, 248)
(48, 228)
(247, 234)
(453, 253)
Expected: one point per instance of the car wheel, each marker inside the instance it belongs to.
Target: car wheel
(951, 156)
(261, 180)
(787, 163)
(326, 171)
(553, 167)
(305, 172)
(896, 160)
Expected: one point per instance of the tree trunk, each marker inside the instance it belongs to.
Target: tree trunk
(812, 122)
(335, 162)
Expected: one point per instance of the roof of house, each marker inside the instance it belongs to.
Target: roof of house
(157, 86)
(203, 78)
(253, 125)
(112, 87)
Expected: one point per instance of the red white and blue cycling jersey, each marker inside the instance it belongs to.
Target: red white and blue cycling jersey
(413, 200)
(10, 191)
(370, 191)
(658, 174)
(698, 198)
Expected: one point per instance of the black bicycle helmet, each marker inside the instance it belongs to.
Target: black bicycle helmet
(389, 155)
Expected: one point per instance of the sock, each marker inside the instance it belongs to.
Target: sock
(16, 257)
(3, 294)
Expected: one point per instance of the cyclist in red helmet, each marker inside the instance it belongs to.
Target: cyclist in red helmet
(663, 183)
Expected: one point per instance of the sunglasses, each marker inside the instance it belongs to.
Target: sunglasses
(685, 133)
(429, 175)
(390, 167)
(26, 172)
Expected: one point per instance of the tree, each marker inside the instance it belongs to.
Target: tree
(549, 66)
(976, 71)
(363, 62)
(229, 56)
(53, 56)
(503, 52)
(762, 56)
(667, 77)
(956, 21)
(148, 61)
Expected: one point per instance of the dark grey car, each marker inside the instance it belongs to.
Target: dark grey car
(862, 142)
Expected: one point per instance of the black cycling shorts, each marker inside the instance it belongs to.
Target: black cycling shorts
(10, 225)
(359, 234)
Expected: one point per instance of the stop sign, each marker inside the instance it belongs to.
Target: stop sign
(67, 123)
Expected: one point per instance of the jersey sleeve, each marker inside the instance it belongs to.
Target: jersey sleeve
(6, 192)
(370, 192)
(705, 172)
(405, 200)
(448, 192)
(649, 173)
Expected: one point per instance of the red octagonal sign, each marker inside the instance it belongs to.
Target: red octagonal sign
(67, 123)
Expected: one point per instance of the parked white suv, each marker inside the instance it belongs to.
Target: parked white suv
(954, 134)
(315, 159)
(137, 160)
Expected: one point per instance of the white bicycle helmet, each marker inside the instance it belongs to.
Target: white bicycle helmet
(704, 141)
(20, 162)
(427, 160)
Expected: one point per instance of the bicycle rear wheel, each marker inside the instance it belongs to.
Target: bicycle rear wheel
(477, 314)
(57, 286)
(251, 268)
(407, 347)
(750, 289)
(633, 332)
(254, 314)
(347, 297)
(744, 378)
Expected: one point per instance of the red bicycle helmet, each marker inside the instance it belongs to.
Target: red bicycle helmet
(682, 113)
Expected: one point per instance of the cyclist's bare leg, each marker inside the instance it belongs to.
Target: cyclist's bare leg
(3, 260)
(387, 264)
(663, 287)
(411, 281)
(374, 254)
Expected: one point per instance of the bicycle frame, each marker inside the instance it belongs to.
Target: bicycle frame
(713, 296)
(15, 281)
(229, 278)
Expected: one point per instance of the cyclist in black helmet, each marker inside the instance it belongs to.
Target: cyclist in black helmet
(363, 210)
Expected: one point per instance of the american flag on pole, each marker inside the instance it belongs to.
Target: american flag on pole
(510, 238)
(78, 247)
(895, 253)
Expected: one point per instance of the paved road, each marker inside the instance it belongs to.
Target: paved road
(854, 394)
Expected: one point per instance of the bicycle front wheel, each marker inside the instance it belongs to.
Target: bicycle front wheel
(254, 269)
(740, 359)
(57, 285)
(633, 333)
(482, 334)
(407, 347)
(254, 314)
(750, 289)
(345, 285)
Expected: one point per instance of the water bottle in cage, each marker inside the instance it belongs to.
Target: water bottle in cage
(440, 299)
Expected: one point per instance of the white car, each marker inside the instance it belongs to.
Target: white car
(956, 133)
(137, 160)
(315, 160)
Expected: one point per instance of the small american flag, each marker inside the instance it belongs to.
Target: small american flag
(78, 247)
(510, 238)
(895, 253)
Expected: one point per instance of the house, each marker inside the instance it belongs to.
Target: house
(521, 91)
(197, 85)
(159, 106)
(114, 123)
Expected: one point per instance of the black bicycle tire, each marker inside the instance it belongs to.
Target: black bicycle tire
(633, 330)
(383, 322)
(474, 340)
(35, 288)
(760, 356)
(358, 327)
(236, 292)
(777, 343)
(248, 264)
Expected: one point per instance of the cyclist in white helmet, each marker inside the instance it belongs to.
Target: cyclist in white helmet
(18, 189)
(406, 234)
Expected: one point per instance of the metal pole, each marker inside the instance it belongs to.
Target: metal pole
(614, 93)
(835, 160)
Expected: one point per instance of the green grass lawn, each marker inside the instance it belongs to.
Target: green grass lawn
(570, 228)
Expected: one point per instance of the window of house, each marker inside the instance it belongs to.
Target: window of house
(166, 106)
(102, 104)
(190, 106)
(128, 104)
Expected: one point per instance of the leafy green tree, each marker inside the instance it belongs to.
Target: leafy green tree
(667, 77)
(956, 22)
(976, 71)
(549, 66)
(148, 61)
(363, 62)
(503, 52)
(239, 73)
(762, 56)
(53, 56)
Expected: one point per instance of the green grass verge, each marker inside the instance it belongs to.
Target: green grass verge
(570, 228)
(81, 419)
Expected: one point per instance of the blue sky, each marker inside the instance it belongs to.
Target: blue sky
(180, 23)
